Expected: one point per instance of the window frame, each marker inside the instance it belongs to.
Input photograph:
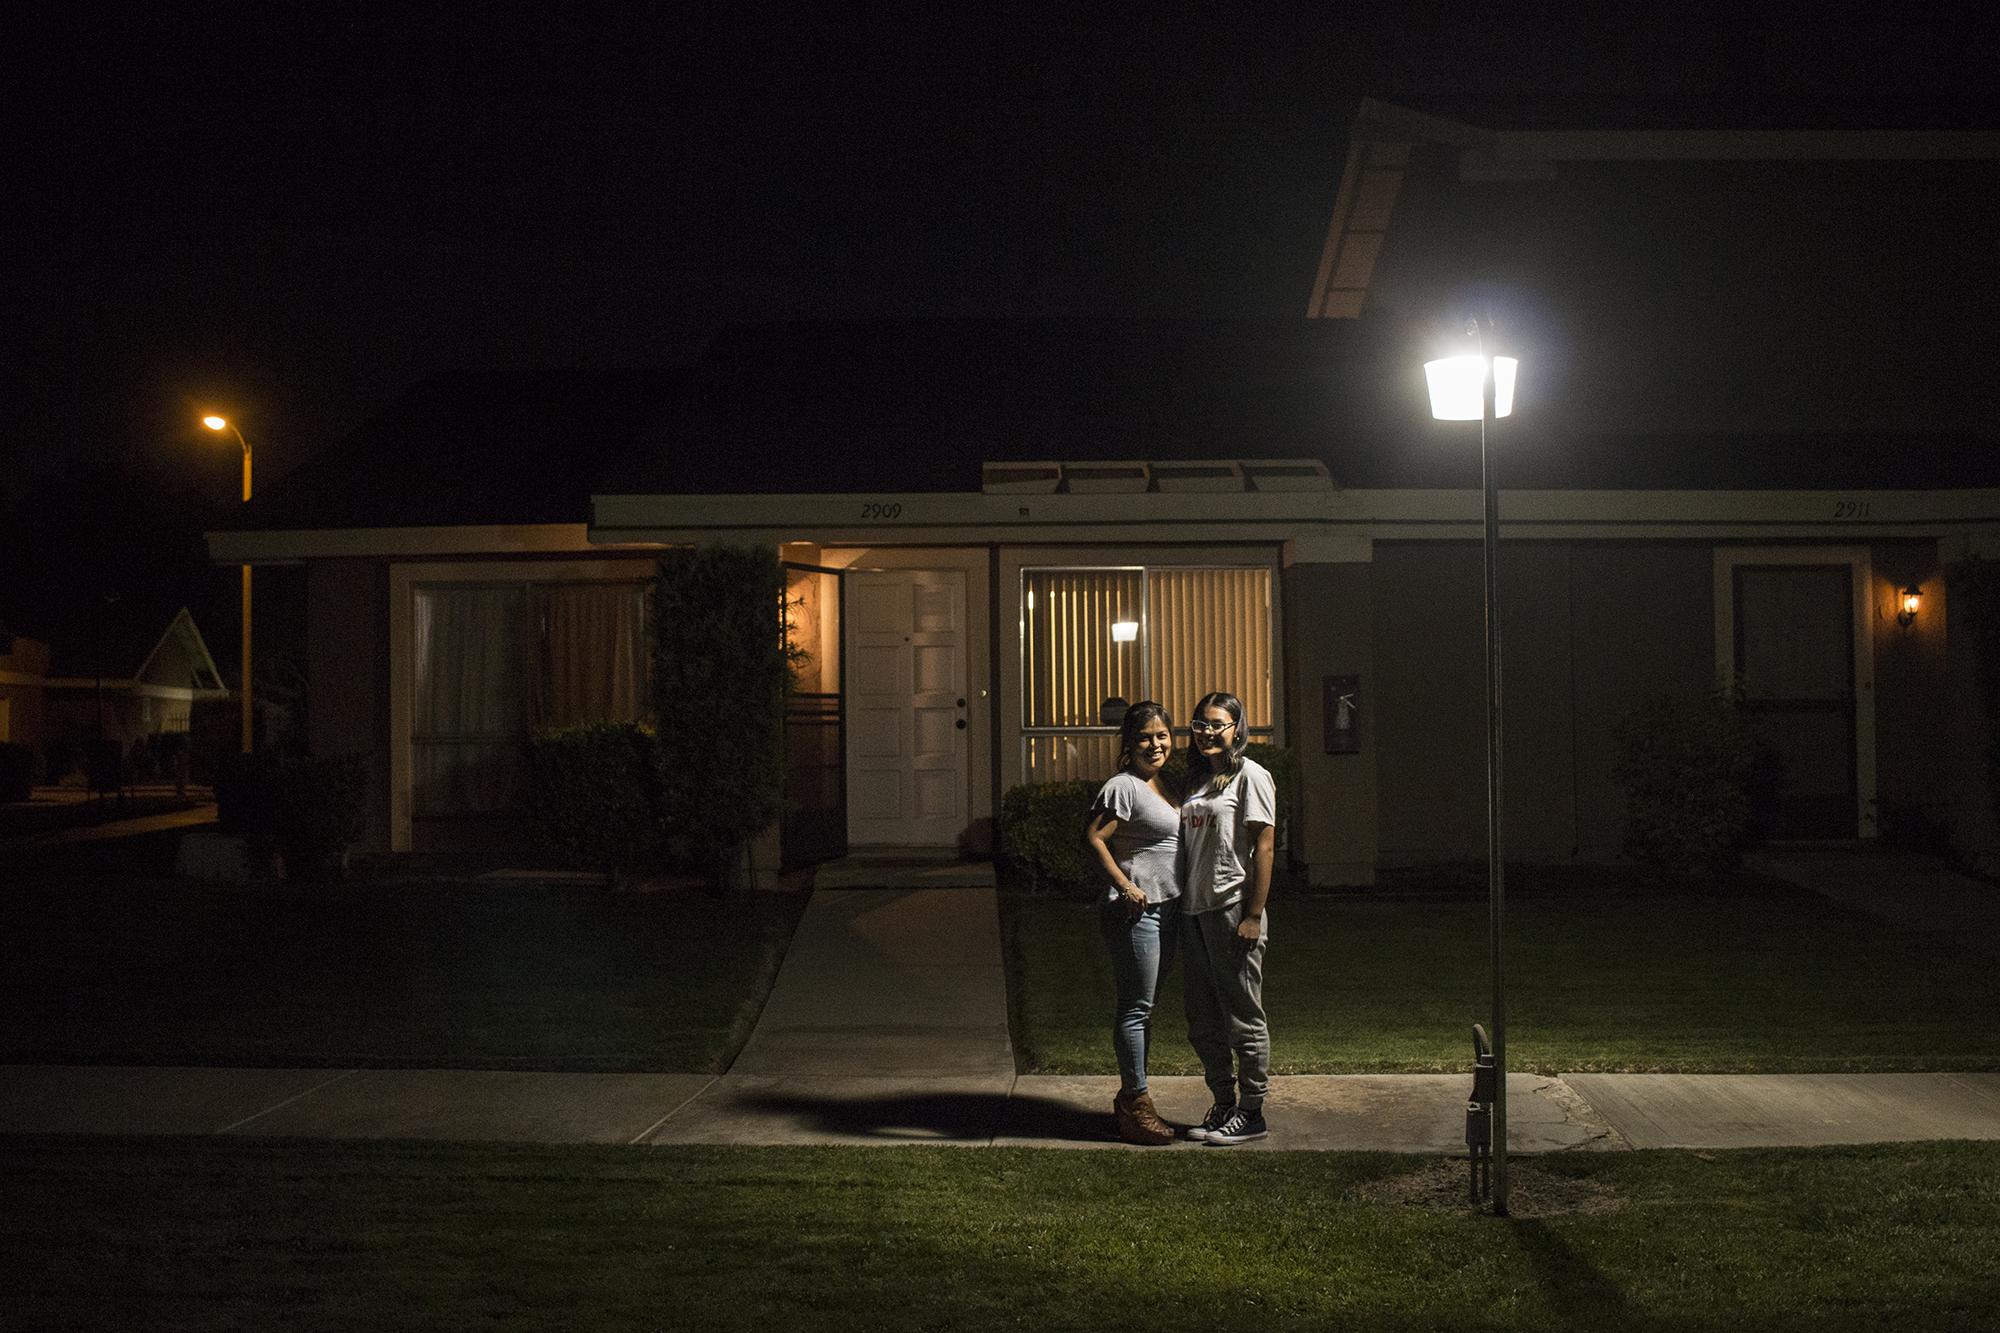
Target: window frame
(1268, 732)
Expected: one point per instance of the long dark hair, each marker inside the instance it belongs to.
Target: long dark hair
(1137, 718)
(1199, 775)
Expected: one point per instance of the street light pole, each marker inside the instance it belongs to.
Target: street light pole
(1496, 896)
(1480, 388)
(249, 723)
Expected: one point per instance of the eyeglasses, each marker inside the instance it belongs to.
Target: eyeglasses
(1201, 728)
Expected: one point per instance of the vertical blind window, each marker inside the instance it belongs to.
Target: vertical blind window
(1092, 637)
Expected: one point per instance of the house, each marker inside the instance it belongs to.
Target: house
(124, 673)
(996, 531)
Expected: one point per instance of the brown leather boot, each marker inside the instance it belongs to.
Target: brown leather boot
(1139, 1122)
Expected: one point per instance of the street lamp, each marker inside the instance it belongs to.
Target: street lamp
(220, 424)
(1474, 387)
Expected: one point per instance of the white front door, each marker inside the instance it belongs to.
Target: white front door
(906, 707)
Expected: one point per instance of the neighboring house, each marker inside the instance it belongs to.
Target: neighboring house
(125, 674)
(996, 531)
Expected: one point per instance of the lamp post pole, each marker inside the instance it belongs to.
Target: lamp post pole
(1495, 868)
(249, 717)
(1480, 388)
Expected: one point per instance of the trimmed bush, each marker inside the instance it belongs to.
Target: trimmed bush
(1041, 824)
(318, 807)
(721, 671)
(243, 793)
(593, 793)
(307, 809)
(1041, 836)
(17, 772)
(1684, 763)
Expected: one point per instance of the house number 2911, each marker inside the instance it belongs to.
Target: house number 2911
(1850, 509)
(874, 510)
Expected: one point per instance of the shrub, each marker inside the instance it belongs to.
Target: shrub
(318, 806)
(593, 793)
(1041, 824)
(720, 661)
(1684, 762)
(243, 793)
(306, 808)
(1041, 836)
(17, 772)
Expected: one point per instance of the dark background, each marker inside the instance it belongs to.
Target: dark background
(291, 219)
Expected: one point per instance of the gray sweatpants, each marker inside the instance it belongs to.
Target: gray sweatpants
(1224, 993)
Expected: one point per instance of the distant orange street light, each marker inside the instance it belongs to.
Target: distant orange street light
(219, 424)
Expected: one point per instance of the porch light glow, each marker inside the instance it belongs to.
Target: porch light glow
(1124, 631)
(1912, 598)
(1455, 384)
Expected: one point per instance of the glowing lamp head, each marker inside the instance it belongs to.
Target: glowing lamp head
(1458, 385)
(1909, 601)
(215, 423)
(1124, 631)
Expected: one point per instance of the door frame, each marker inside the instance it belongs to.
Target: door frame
(1861, 626)
(982, 686)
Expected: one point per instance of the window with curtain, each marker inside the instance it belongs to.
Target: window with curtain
(496, 661)
(1095, 639)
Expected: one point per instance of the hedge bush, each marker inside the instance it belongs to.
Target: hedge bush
(1041, 824)
(1684, 762)
(17, 772)
(318, 807)
(305, 808)
(721, 671)
(594, 796)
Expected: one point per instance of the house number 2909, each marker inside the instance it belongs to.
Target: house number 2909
(881, 511)
(1850, 509)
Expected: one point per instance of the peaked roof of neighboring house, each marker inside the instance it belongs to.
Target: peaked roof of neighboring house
(127, 641)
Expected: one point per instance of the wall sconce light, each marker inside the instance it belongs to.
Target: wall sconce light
(1911, 598)
(1124, 631)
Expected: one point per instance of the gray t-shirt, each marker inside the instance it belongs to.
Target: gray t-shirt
(1147, 843)
(1217, 836)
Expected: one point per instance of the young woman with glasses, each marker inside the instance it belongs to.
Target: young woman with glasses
(1134, 831)
(1229, 842)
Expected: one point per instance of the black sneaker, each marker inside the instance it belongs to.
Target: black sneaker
(1218, 1116)
(1240, 1127)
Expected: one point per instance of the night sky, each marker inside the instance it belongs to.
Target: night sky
(292, 222)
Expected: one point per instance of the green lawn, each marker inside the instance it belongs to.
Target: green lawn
(110, 969)
(1606, 970)
(168, 1234)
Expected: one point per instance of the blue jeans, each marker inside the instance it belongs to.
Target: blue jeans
(1141, 949)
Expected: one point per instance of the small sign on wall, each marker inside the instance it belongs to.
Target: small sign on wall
(1340, 705)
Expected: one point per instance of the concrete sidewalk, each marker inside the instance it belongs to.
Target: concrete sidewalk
(1412, 1113)
(888, 1025)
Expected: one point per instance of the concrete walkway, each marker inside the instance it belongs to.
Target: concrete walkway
(888, 1025)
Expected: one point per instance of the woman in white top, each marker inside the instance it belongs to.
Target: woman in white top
(1134, 830)
(1229, 842)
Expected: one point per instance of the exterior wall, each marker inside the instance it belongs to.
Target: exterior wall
(1329, 632)
(22, 668)
(1912, 707)
(347, 674)
(1587, 631)
(1967, 774)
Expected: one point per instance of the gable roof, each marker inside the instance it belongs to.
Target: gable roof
(473, 447)
(857, 407)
